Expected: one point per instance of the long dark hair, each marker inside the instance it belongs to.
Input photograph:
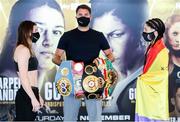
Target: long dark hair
(24, 30)
(133, 14)
(19, 13)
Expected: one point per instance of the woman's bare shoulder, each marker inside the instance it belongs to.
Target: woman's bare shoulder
(21, 51)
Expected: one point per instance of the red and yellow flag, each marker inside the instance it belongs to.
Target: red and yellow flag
(152, 86)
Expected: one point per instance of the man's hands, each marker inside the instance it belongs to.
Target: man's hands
(109, 54)
(57, 56)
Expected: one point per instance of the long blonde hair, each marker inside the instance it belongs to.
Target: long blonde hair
(169, 22)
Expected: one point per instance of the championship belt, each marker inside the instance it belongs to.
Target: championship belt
(92, 82)
(77, 69)
(64, 79)
(110, 76)
(96, 80)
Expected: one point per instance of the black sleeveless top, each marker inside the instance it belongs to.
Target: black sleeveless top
(175, 75)
(33, 64)
(174, 80)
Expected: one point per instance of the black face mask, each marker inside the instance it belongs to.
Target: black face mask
(83, 21)
(35, 37)
(148, 36)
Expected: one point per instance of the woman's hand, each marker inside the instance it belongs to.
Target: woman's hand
(41, 101)
(35, 104)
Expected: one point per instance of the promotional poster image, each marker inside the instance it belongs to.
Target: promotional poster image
(121, 22)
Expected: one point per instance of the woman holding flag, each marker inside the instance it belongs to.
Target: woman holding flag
(152, 84)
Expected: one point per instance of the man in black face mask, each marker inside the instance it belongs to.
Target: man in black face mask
(82, 44)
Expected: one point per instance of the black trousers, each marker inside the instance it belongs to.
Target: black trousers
(23, 105)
